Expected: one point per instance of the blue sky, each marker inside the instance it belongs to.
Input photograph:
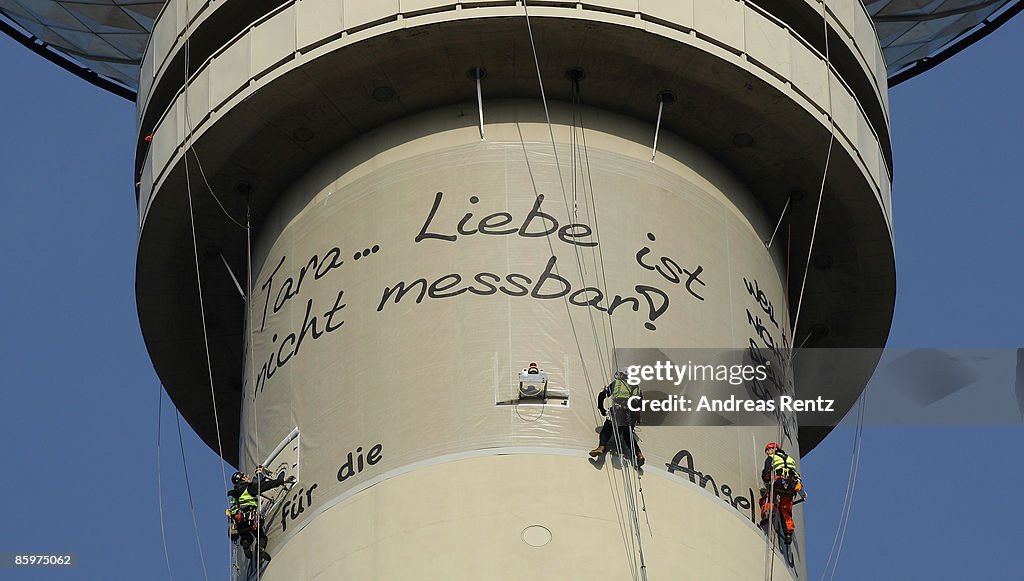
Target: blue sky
(940, 503)
(78, 396)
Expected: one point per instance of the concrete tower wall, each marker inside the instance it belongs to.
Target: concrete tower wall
(421, 337)
(402, 272)
(742, 34)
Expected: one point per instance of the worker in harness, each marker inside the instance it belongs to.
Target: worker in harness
(622, 419)
(783, 482)
(243, 513)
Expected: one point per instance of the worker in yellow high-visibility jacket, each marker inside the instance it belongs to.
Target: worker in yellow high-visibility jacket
(243, 510)
(622, 419)
(782, 478)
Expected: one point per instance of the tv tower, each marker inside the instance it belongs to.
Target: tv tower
(360, 222)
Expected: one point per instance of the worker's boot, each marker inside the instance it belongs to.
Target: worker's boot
(265, 556)
(639, 459)
(789, 537)
(597, 451)
(248, 552)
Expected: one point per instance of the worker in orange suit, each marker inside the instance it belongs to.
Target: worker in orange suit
(783, 481)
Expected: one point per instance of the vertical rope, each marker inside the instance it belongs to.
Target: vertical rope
(851, 482)
(202, 315)
(199, 279)
(630, 497)
(589, 203)
(572, 326)
(580, 151)
(544, 100)
(195, 245)
(547, 114)
(824, 174)
(188, 489)
(159, 486)
(597, 236)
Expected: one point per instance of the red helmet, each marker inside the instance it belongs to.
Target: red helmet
(771, 446)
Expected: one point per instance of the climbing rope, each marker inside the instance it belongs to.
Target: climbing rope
(199, 279)
(202, 315)
(572, 327)
(188, 489)
(608, 331)
(588, 203)
(630, 478)
(604, 351)
(824, 173)
(810, 249)
(771, 533)
(558, 168)
(630, 497)
(159, 486)
(851, 483)
(587, 379)
(202, 306)
(252, 374)
(595, 250)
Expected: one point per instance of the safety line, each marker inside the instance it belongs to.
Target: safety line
(844, 515)
(629, 542)
(636, 473)
(565, 200)
(628, 539)
(202, 173)
(810, 249)
(630, 474)
(572, 326)
(189, 128)
(789, 256)
(824, 174)
(558, 165)
(630, 497)
(252, 374)
(547, 237)
(159, 486)
(597, 252)
(544, 100)
(202, 314)
(232, 564)
(580, 257)
(537, 194)
(188, 489)
(771, 533)
(597, 236)
(634, 547)
(587, 204)
(630, 477)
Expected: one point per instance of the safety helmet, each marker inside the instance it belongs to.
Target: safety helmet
(771, 446)
(620, 375)
(237, 477)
